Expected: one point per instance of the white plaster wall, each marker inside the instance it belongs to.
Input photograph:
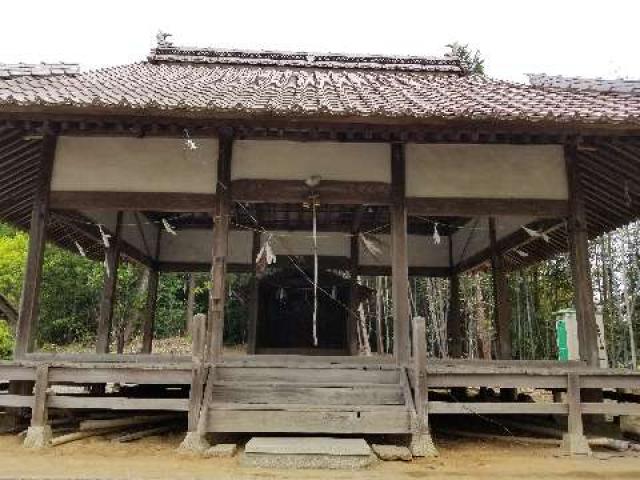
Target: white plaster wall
(486, 171)
(301, 243)
(116, 164)
(286, 160)
(421, 252)
(194, 245)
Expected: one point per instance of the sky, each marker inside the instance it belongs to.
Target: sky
(591, 38)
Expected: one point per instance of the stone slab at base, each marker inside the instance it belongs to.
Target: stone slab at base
(193, 444)
(573, 444)
(389, 453)
(307, 453)
(38, 437)
(222, 450)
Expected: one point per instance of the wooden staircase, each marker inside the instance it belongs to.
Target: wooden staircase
(329, 398)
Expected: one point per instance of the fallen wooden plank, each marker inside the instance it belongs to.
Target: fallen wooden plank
(129, 437)
(72, 437)
(125, 421)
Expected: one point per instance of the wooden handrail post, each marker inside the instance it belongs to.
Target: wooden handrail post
(194, 441)
(421, 442)
(574, 442)
(39, 433)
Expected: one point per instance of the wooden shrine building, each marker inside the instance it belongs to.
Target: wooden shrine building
(198, 159)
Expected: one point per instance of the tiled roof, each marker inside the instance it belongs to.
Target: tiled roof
(12, 70)
(580, 83)
(290, 84)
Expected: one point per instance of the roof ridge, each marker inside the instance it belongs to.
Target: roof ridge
(178, 54)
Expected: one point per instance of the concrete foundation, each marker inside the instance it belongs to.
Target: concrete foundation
(38, 437)
(307, 453)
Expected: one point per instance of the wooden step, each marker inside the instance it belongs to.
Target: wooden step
(321, 394)
(302, 419)
(346, 376)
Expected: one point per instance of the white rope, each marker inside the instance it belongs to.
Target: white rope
(80, 249)
(315, 275)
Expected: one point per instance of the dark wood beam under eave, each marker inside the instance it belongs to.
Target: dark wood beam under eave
(472, 207)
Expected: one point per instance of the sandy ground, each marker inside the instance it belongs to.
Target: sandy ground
(155, 458)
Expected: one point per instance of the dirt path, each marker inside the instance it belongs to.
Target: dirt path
(155, 458)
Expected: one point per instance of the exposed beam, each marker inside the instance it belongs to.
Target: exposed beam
(82, 225)
(473, 207)
(296, 191)
(133, 201)
(9, 312)
(30, 303)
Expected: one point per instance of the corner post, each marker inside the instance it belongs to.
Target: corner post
(152, 299)
(39, 433)
(580, 266)
(252, 323)
(399, 260)
(150, 311)
(219, 248)
(574, 442)
(194, 441)
(112, 261)
(501, 296)
(30, 300)
(454, 318)
(421, 444)
(352, 317)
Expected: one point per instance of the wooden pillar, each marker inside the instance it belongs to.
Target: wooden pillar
(39, 433)
(30, 301)
(252, 320)
(112, 260)
(421, 444)
(150, 311)
(574, 442)
(191, 303)
(399, 260)
(501, 297)
(580, 264)
(454, 318)
(149, 320)
(219, 249)
(353, 317)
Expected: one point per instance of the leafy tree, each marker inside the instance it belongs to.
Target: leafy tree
(472, 60)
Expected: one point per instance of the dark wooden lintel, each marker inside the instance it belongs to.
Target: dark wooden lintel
(470, 207)
(133, 201)
(295, 191)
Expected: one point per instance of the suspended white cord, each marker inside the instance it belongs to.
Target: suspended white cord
(315, 275)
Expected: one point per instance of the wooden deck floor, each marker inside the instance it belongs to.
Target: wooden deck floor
(261, 392)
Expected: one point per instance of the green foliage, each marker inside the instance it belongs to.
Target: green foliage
(472, 60)
(6, 341)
